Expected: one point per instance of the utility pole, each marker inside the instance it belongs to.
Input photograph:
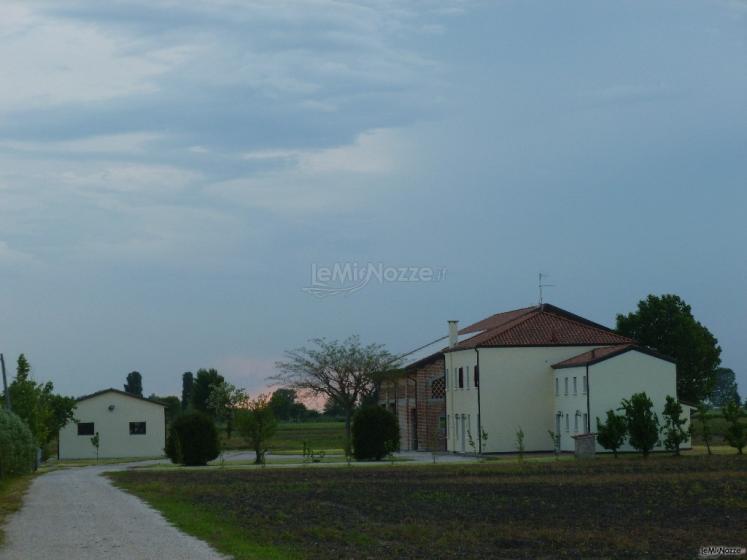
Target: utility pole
(5, 384)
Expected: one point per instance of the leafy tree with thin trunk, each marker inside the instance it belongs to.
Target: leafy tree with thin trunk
(203, 384)
(642, 422)
(96, 442)
(611, 434)
(705, 426)
(256, 422)
(666, 323)
(223, 401)
(346, 372)
(187, 382)
(134, 384)
(520, 443)
(736, 432)
(673, 430)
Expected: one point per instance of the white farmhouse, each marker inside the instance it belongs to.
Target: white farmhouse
(128, 426)
(542, 369)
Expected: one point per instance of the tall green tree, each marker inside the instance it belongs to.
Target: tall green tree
(285, 405)
(736, 431)
(346, 372)
(666, 323)
(203, 384)
(223, 401)
(674, 425)
(134, 384)
(43, 411)
(724, 388)
(187, 383)
(642, 422)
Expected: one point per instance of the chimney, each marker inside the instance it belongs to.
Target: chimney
(453, 333)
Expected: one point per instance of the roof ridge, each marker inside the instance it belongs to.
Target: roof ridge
(568, 316)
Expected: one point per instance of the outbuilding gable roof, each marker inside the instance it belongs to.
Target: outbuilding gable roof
(126, 394)
(542, 325)
(600, 354)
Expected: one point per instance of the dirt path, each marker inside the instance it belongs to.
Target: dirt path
(78, 515)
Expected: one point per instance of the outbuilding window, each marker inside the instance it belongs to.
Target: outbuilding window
(85, 428)
(566, 386)
(137, 428)
(477, 376)
(557, 386)
(575, 386)
(461, 378)
(585, 385)
(575, 422)
(586, 423)
(567, 422)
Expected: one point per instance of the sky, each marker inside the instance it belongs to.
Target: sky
(179, 179)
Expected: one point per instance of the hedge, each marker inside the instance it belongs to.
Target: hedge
(17, 447)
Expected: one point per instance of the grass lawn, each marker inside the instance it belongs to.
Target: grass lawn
(663, 507)
(290, 437)
(11, 498)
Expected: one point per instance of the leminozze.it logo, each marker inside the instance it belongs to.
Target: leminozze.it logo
(350, 277)
(714, 551)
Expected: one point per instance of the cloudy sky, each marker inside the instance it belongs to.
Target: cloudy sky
(171, 171)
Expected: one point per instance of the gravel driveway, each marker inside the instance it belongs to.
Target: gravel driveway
(75, 514)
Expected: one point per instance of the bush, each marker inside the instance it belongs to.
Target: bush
(17, 447)
(642, 423)
(193, 440)
(375, 433)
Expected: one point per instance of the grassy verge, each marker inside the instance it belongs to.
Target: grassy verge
(11, 498)
(219, 529)
(662, 507)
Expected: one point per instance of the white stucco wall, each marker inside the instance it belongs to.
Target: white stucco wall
(618, 378)
(570, 407)
(113, 427)
(516, 390)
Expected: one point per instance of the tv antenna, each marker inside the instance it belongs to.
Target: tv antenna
(541, 284)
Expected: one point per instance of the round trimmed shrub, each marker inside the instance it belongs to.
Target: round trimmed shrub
(375, 433)
(17, 447)
(193, 440)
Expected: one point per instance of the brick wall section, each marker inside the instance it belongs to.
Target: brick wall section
(431, 437)
(414, 393)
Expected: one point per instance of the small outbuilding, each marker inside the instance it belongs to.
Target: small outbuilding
(127, 426)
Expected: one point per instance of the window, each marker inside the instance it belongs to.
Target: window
(575, 422)
(566, 386)
(586, 423)
(467, 378)
(567, 421)
(137, 428)
(442, 425)
(477, 376)
(557, 386)
(85, 428)
(575, 387)
(461, 378)
(438, 390)
(585, 385)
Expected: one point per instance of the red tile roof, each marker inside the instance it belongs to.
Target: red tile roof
(543, 325)
(600, 354)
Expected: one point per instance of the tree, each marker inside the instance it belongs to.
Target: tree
(187, 382)
(222, 402)
(17, 448)
(666, 323)
(43, 411)
(724, 388)
(192, 440)
(282, 403)
(673, 430)
(611, 434)
(204, 382)
(333, 409)
(173, 406)
(736, 433)
(346, 372)
(705, 427)
(642, 423)
(257, 424)
(134, 384)
(375, 433)
(96, 442)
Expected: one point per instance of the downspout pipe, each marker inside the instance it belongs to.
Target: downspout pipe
(588, 400)
(479, 415)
